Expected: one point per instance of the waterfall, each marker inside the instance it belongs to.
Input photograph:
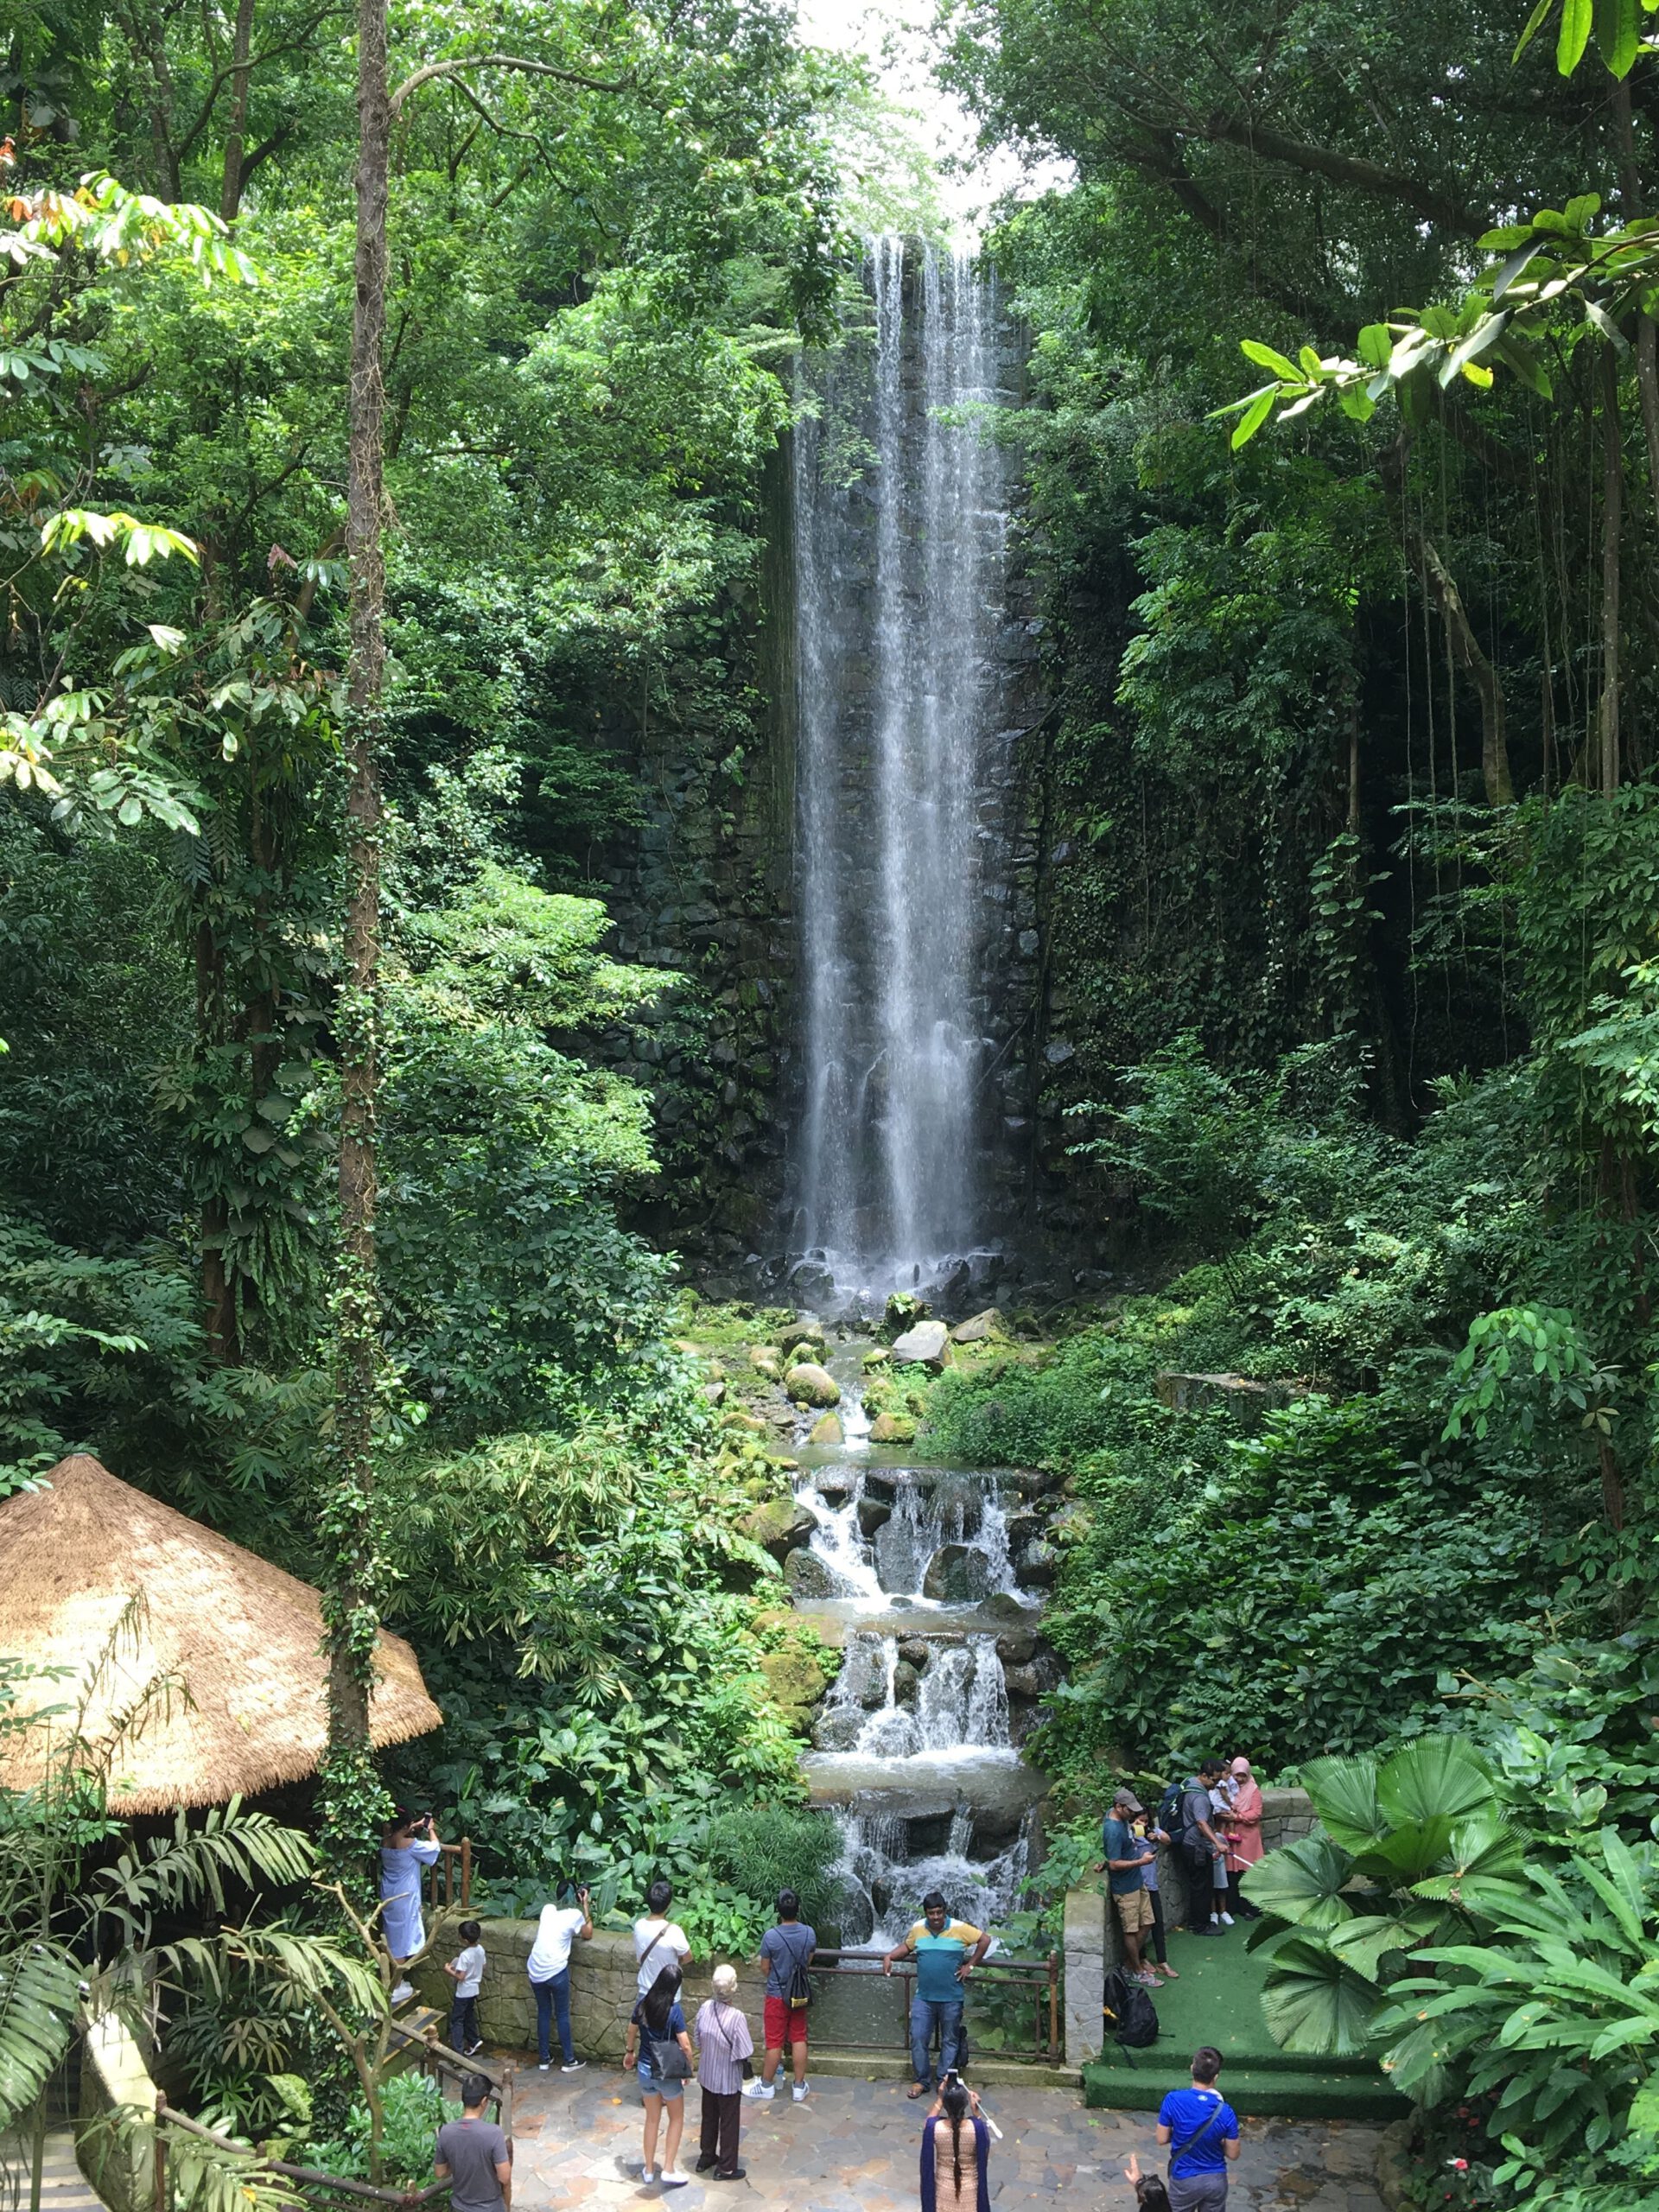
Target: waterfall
(900, 523)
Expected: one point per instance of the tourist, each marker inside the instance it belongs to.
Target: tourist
(472, 2155)
(1244, 1845)
(549, 1968)
(723, 2044)
(955, 2152)
(787, 1949)
(656, 1939)
(1155, 1939)
(465, 1970)
(659, 2050)
(1150, 2194)
(946, 1952)
(1221, 1806)
(1202, 2133)
(408, 1845)
(1199, 1845)
(1126, 1860)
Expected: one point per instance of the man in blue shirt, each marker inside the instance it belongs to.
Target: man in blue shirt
(1202, 2132)
(1127, 1858)
(946, 1952)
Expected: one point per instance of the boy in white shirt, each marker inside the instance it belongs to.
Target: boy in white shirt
(465, 1970)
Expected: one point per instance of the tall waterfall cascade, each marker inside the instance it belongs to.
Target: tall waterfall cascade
(901, 528)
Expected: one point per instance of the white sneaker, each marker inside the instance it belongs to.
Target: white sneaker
(1226, 1919)
(765, 2091)
(799, 2092)
(575, 2066)
(403, 1991)
(671, 2180)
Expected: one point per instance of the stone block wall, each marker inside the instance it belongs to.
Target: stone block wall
(602, 1984)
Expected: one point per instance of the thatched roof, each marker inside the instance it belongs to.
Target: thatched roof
(244, 1639)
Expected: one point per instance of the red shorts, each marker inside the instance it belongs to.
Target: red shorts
(785, 2023)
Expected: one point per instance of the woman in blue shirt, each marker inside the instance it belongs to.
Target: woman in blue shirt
(657, 2021)
(407, 1849)
(1202, 2132)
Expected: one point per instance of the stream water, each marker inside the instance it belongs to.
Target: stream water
(910, 1567)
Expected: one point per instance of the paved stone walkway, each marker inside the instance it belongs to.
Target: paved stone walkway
(852, 2147)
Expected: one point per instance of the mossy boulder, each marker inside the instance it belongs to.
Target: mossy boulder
(807, 1575)
(804, 1332)
(780, 1526)
(809, 1384)
(891, 1428)
(827, 1429)
(794, 1679)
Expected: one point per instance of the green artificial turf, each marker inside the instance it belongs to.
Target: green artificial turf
(1218, 2000)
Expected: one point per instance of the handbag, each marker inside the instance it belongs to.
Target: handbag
(668, 2062)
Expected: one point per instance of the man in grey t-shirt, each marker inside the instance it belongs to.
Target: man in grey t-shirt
(473, 2154)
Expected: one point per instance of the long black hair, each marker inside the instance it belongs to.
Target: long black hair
(954, 2098)
(658, 2001)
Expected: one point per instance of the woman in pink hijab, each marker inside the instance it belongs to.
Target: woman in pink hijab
(1243, 1834)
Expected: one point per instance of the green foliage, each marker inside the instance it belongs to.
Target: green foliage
(415, 2109)
(762, 1853)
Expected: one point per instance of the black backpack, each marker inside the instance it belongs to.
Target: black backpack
(1129, 2012)
(800, 1981)
(1170, 1808)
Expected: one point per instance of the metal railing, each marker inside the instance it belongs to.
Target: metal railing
(1016, 1983)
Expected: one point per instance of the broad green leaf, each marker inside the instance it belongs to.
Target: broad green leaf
(1254, 416)
(1574, 36)
(1618, 38)
(1435, 1777)
(1303, 1882)
(1407, 1853)
(1344, 1791)
(1313, 2003)
(1365, 1941)
(1266, 358)
(1376, 344)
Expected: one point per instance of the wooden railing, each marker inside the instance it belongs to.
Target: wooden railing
(436, 2060)
(455, 1864)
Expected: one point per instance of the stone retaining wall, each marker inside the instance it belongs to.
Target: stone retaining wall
(602, 1984)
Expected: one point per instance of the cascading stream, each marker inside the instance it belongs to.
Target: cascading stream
(900, 575)
(913, 1567)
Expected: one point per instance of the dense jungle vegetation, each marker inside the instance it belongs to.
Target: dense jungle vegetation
(1351, 867)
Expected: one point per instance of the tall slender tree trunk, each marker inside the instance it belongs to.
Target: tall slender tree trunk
(1612, 507)
(230, 190)
(352, 1795)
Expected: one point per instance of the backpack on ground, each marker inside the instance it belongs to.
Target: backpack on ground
(1171, 1807)
(1129, 2013)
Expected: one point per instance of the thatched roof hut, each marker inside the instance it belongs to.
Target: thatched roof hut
(244, 1639)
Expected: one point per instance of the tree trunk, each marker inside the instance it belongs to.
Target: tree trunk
(350, 1792)
(1465, 649)
(1612, 504)
(230, 190)
(1647, 333)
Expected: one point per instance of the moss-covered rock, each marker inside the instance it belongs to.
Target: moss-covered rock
(809, 1384)
(796, 1680)
(780, 1526)
(891, 1428)
(827, 1429)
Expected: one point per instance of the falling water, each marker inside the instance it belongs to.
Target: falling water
(900, 525)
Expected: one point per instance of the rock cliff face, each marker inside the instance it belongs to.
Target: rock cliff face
(849, 1059)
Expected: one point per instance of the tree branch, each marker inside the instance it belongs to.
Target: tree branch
(435, 69)
(1346, 168)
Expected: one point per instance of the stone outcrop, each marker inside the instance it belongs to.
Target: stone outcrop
(1248, 1402)
(979, 1329)
(955, 1575)
(780, 1526)
(891, 1428)
(827, 1430)
(928, 1345)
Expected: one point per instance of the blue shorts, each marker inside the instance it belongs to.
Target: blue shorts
(670, 2092)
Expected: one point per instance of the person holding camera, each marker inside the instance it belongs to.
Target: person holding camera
(549, 1968)
(955, 2151)
(410, 1845)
